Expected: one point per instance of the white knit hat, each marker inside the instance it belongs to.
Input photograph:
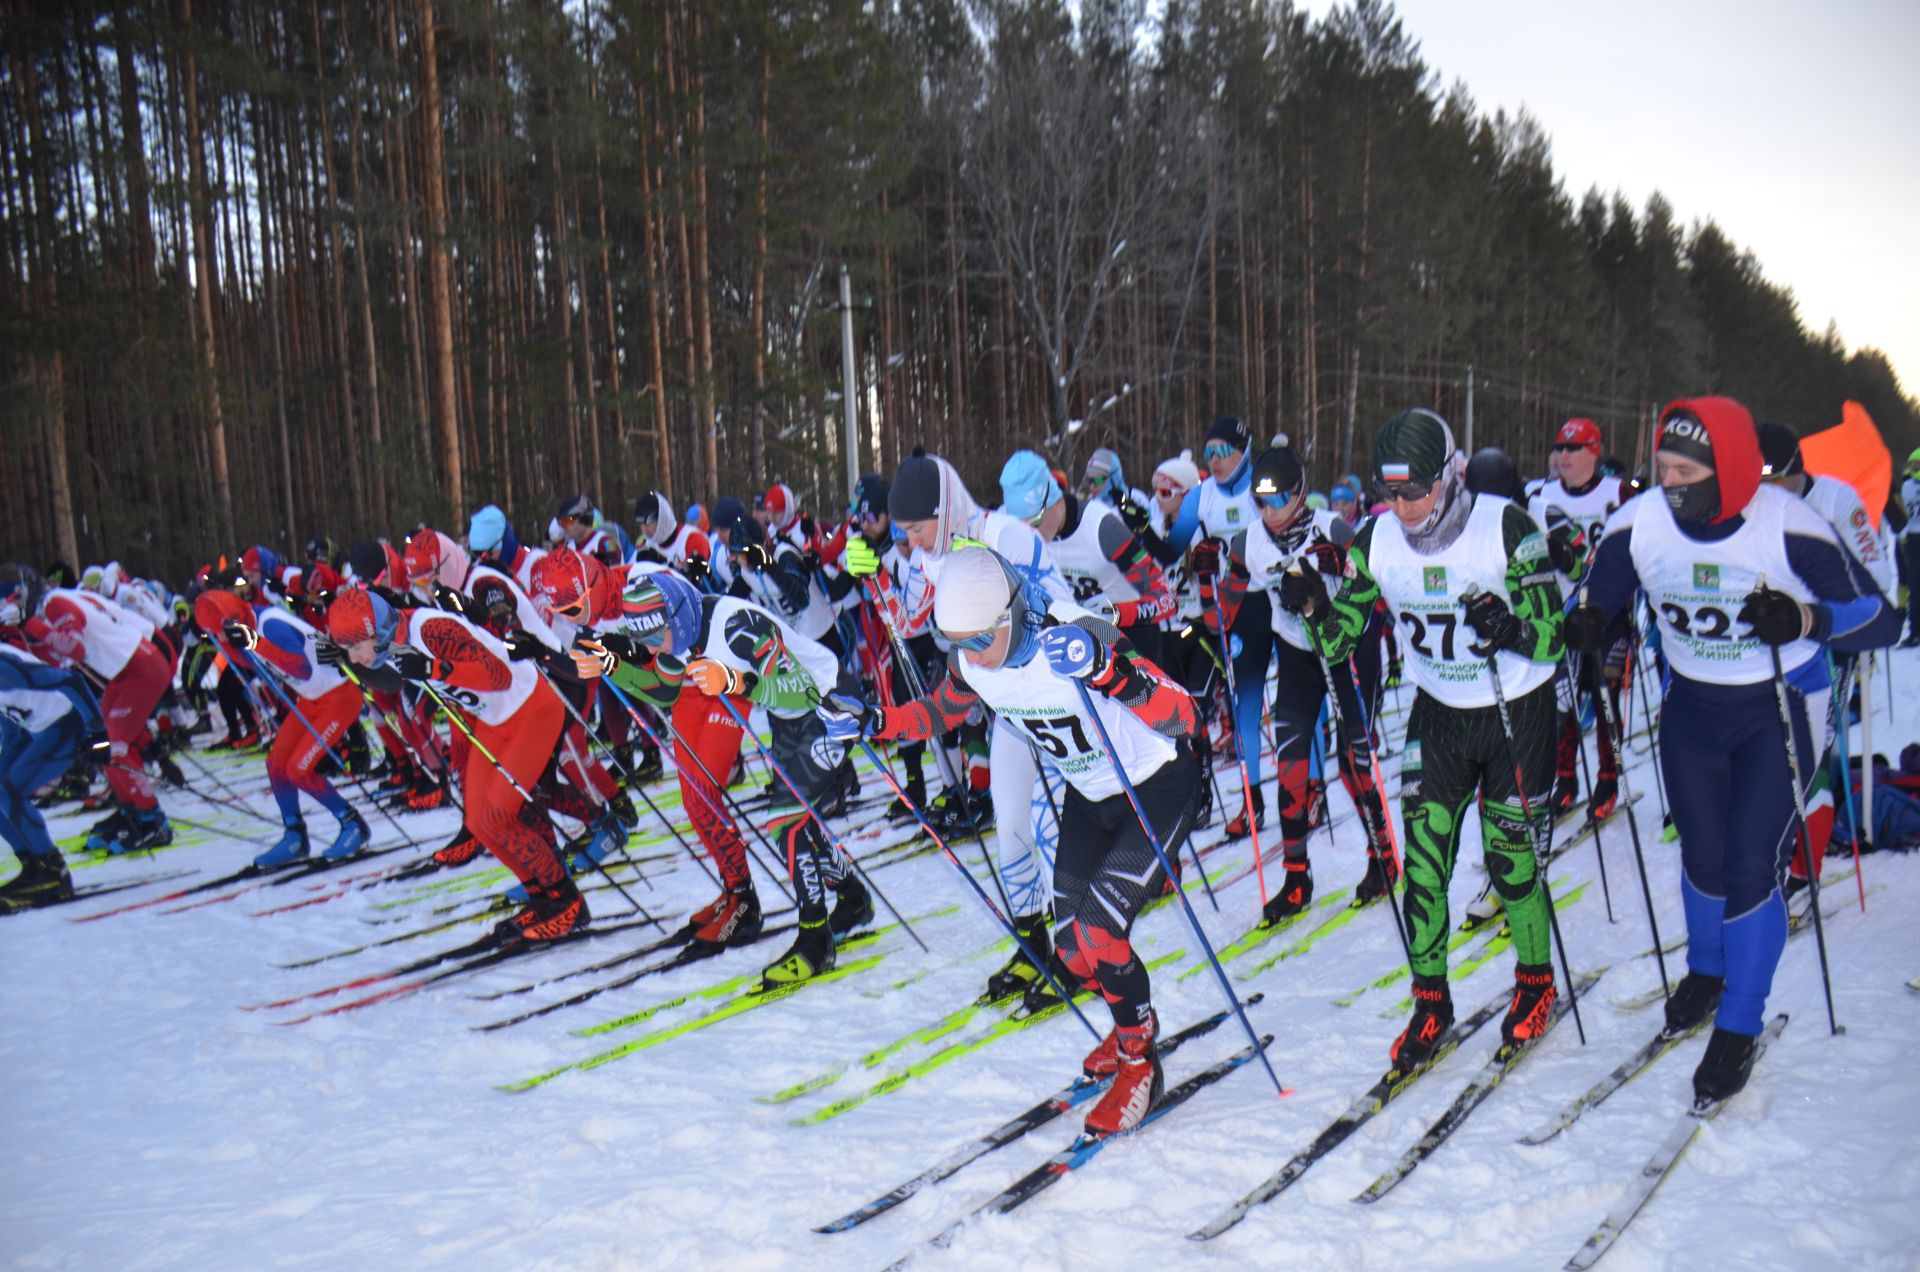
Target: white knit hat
(972, 594)
(1180, 470)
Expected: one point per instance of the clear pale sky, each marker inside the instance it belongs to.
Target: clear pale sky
(1795, 126)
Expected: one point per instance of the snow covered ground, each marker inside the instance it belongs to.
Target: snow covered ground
(151, 1121)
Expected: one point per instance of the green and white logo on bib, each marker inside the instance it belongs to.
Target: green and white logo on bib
(1233, 515)
(1434, 579)
(1706, 578)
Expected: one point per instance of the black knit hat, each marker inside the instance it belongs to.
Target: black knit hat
(915, 493)
(1232, 430)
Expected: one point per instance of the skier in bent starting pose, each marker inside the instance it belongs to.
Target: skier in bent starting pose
(1020, 652)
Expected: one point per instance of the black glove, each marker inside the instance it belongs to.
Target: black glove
(1585, 628)
(415, 664)
(755, 557)
(1560, 548)
(1776, 618)
(399, 600)
(811, 560)
(1304, 592)
(458, 603)
(239, 634)
(1206, 559)
(647, 552)
(695, 570)
(624, 647)
(329, 654)
(524, 645)
(1134, 517)
(1494, 623)
(99, 748)
(324, 595)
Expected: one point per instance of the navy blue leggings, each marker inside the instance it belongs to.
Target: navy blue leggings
(1725, 764)
(29, 761)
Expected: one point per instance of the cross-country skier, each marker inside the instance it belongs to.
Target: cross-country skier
(1467, 576)
(1274, 557)
(1021, 653)
(514, 714)
(933, 507)
(1572, 508)
(327, 701)
(49, 720)
(71, 628)
(1737, 572)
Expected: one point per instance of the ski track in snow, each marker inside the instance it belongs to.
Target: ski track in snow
(151, 1124)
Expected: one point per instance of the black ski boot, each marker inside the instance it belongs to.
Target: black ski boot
(1294, 896)
(1021, 973)
(1382, 874)
(811, 954)
(650, 766)
(43, 878)
(621, 806)
(853, 909)
(901, 809)
(1530, 1013)
(1238, 827)
(1725, 1068)
(1432, 1015)
(1693, 1002)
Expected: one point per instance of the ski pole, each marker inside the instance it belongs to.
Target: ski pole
(1838, 710)
(1611, 722)
(1193, 918)
(1866, 763)
(1240, 752)
(500, 768)
(903, 657)
(386, 718)
(1586, 777)
(1004, 921)
(228, 797)
(262, 667)
(1800, 827)
(613, 758)
(739, 814)
(818, 820)
(1541, 850)
(1373, 775)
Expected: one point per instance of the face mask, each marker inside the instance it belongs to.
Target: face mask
(1696, 502)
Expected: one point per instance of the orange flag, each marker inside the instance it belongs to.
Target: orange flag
(1851, 451)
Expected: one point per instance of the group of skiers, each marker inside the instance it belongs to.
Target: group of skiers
(1060, 649)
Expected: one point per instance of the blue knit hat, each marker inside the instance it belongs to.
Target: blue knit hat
(1027, 486)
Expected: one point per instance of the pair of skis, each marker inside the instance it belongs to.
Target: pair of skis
(1077, 1154)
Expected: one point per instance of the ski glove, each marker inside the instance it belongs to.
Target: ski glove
(1560, 549)
(1494, 623)
(1304, 592)
(591, 659)
(1206, 559)
(416, 664)
(695, 570)
(239, 634)
(621, 646)
(848, 716)
(1133, 516)
(715, 678)
(524, 645)
(1775, 617)
(755, 557)
(1073, 652)
(1585, 628)
(460, 603)
(861, 558)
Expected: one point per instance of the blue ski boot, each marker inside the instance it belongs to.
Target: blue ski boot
(146, 829)
(352, 838)
(291, 848)
(592, 847)
(108, 831)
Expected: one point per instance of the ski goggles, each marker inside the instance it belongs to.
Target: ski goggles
(1217, 450)
(1276, 500)
(1093, 483)
(980, 642)
(1167, 490)
(1405, 491)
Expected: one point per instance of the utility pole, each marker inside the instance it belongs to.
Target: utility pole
(851, 444)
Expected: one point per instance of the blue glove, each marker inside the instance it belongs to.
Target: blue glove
(848, 717)
(1073, 651)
